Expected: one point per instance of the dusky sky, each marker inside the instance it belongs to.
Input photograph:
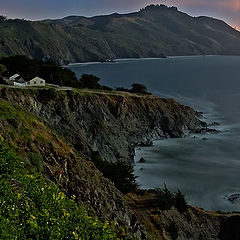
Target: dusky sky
(227, 10)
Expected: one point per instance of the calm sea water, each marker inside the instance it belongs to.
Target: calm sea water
(206, 171)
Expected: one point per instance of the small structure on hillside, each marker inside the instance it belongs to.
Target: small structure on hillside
(14, 77)
(35, 82)
(19, 82)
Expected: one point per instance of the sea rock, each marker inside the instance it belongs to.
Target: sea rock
(234, 198)
(214, 124)
(204, 139)
(142, 160)
(207, 130)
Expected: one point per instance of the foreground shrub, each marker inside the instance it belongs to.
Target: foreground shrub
(30, 208)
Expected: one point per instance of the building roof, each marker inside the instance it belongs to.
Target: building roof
(37, 78)
(20, 80)
(14, 76)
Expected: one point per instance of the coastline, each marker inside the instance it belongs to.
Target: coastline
(145, 58)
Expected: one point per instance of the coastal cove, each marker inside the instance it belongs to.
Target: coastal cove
(205, 170)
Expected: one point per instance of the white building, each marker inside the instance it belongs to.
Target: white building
(37, 81)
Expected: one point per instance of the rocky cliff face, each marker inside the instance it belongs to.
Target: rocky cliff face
(111, 124)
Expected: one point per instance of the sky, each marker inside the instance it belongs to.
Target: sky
(227, 10)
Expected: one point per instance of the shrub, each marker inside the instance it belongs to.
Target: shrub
(180, 202)
(166, 200)
(122, 89)
(89, 81)
(139, 88)
(120, 173)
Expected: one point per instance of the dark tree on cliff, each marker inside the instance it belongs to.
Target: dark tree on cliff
(118, 172)
(90, 81)
(139, 88)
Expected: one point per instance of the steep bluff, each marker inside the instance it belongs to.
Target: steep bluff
(111, 124)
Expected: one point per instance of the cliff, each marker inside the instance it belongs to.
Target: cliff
(65, 127)
(111, 124)
(155, 31)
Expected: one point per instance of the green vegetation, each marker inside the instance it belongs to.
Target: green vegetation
(166, 200)
(120, 173)
(91, 82)
(36, 160)
(139, 88)
(136, 88)
(32, 208)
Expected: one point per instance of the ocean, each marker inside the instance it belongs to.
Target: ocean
(206, 171)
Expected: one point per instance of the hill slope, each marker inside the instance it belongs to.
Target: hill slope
(152, 32)
(63, 129)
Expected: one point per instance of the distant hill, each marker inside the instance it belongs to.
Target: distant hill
(154, 31)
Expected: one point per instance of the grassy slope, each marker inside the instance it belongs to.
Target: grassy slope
(37, 208)
(32, 207)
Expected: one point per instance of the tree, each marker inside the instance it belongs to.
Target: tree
(2, 18)
(121, 173)
(139, 88)
(2, 69)
(90, 81)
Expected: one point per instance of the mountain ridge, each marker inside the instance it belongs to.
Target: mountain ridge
(155, 31)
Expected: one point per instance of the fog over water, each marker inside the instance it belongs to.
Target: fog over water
(206, 171)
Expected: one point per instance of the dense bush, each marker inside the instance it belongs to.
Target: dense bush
(120, 173)
(166, 200)
(139, 88)
(89, 81)
(32, 209)
(136, 88)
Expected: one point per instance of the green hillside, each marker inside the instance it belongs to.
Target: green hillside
(152, 32)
